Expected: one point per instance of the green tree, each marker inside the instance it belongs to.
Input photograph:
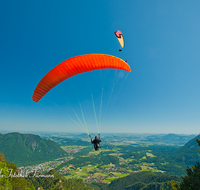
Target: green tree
(174, 185)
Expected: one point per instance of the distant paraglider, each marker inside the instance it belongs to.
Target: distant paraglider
(120, 38)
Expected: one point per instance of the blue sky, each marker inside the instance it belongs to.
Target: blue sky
(162, 45)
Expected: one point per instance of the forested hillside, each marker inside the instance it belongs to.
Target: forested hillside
(187, 153)
(143, 180)
(11, 182)
(28, 149)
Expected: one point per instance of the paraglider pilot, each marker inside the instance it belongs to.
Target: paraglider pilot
(96, 142)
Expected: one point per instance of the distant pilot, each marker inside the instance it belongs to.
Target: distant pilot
(96, 142)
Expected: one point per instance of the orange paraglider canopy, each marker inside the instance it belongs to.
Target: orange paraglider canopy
(74, 66)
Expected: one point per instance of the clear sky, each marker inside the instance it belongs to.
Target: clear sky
(162, 47)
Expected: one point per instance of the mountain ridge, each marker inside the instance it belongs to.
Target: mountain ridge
(29, 149)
